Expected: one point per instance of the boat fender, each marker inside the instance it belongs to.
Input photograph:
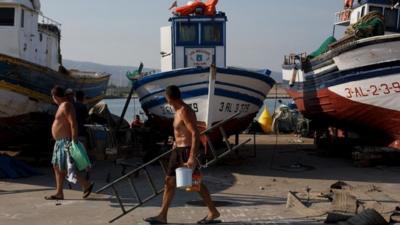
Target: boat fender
(191, 8)
(265, 121)
(211, 7)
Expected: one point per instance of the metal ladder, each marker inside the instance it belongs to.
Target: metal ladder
(130, 177)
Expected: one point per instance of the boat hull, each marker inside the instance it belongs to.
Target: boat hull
(212, 97)
(359, 90)
(25, 90)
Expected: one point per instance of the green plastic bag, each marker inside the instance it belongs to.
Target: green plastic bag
(79, 155)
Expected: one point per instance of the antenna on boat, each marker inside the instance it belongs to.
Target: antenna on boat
(334, 30)
(128, 100)
(174, 5)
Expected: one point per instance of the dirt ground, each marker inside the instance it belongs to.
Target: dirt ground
(248, 189)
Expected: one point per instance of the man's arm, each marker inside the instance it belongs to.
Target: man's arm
(69, 112)
(189, 118)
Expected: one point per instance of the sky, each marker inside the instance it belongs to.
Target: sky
(127, 32)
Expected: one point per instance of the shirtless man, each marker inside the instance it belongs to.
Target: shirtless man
(65, 131)
(187, 141)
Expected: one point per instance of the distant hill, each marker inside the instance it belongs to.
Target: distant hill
(118, 72)
(277, 76)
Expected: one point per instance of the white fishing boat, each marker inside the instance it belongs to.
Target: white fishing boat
(30, 66)
(353, 84)
(191, 46)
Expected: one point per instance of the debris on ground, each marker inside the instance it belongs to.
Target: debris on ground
(344, 202)
(340, 185)
(348, 205)
(294, 202)
(395, 217)
(335, 217)
(367, 217)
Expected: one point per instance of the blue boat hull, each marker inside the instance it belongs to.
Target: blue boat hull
(25, 93)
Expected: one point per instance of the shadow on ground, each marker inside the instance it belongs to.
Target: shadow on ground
(299, 161)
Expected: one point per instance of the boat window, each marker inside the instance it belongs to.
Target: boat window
(187, 33)
(7, 16)
(391, 16)
(376, 9)
(212, 33)
(22, 18)
(363, 11)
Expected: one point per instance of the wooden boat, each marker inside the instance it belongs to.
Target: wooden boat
(30, 66)
(355, 85)
(194, 59)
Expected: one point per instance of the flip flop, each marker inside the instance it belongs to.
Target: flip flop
(53, 198)
(208, 221)
(154, 220)
(88, 191)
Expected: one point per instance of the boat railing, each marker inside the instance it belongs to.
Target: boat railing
(295, 58)
(343, 17)
(86, 74)
(47, 21)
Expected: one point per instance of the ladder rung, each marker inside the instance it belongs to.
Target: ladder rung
(150, 180)
(137, 206)
(133, 187)
(211, 146)
(119, 199)
(225, 138)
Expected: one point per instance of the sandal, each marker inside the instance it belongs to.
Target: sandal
(154, 220)
(53, 198)
(88, 191)
(208, 221)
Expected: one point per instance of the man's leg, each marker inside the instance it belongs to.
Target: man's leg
(205, 194)
(169, 192)
(60, 176)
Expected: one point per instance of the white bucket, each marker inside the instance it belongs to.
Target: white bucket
(183, 177)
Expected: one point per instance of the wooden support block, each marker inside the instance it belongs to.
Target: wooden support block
(343, 201)
(295, 203)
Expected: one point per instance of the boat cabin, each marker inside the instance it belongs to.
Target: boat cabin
(28, 35)
(355, 9)
(194, 41)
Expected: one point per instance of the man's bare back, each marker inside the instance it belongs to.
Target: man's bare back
(61, 126)
(183, 137)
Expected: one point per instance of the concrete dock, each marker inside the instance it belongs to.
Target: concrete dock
(248, 190)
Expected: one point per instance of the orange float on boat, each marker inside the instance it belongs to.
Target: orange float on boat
(348, 3)
(208, 8)
(211, 7)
